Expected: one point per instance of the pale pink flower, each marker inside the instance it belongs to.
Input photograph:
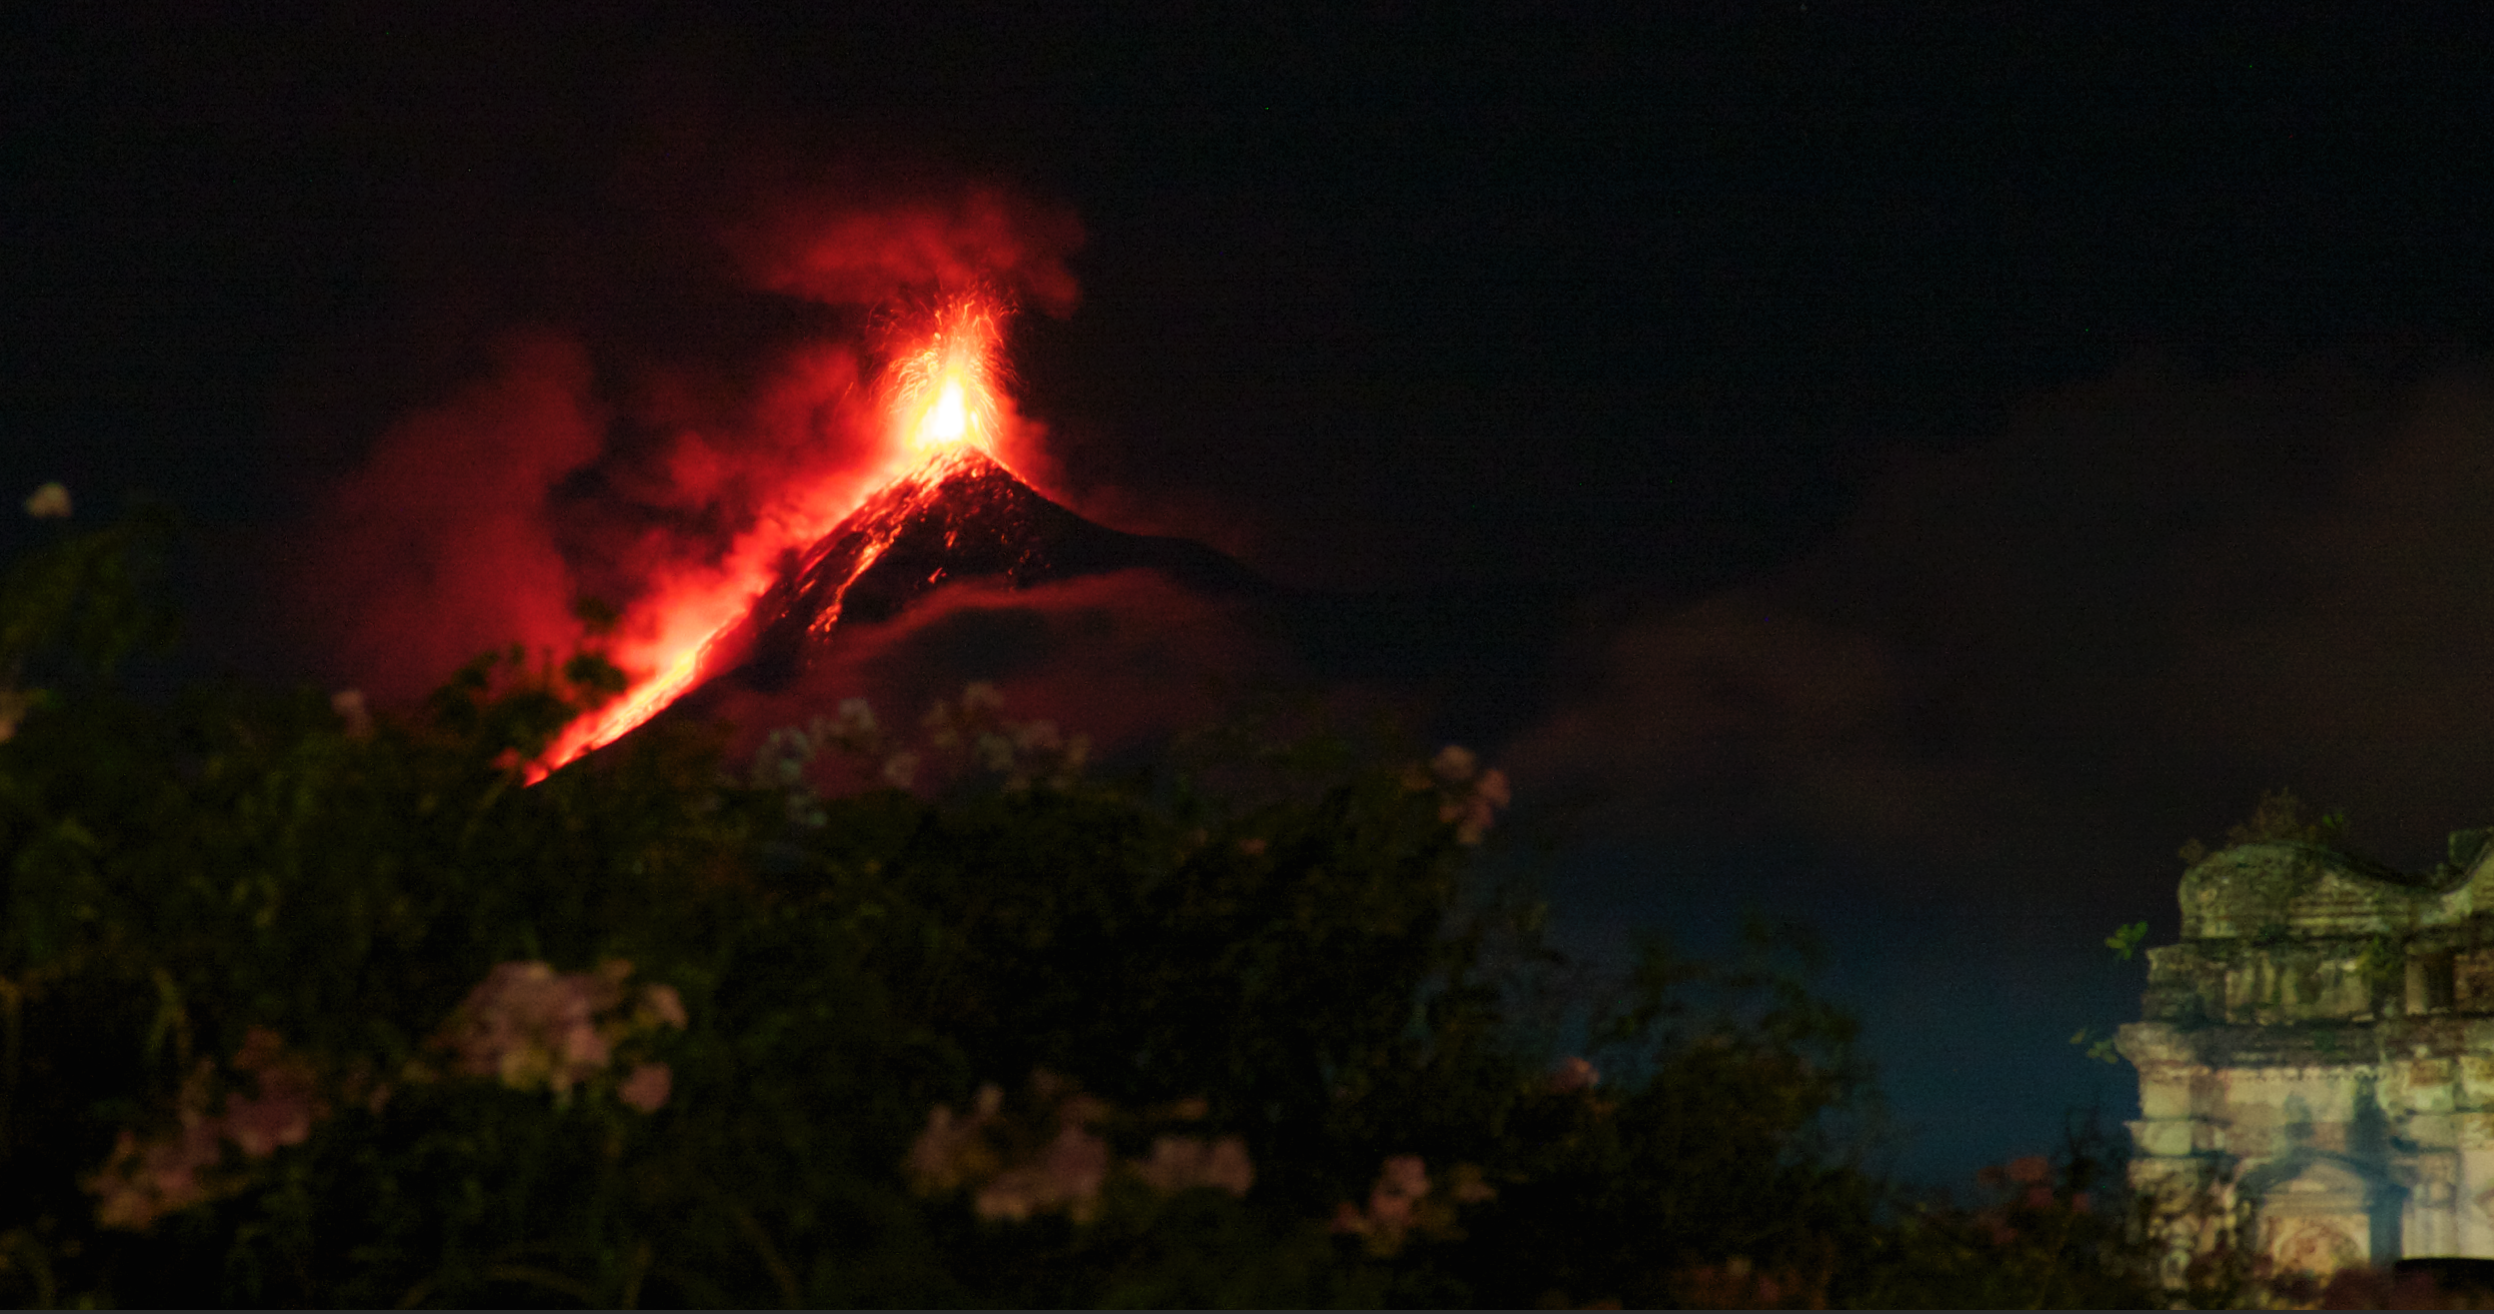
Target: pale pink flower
(664, 1004)
(1011, 1196)
(1077, 1162)
(144, 1180)
(1575, 1074)
(1469, 797)
(931, 1156)
(1401, 1185)
(900, 769)
(50, 502)
(1228, 1168)
(1063, 1175)
(939, 1159)
(1479, 809)
(2029, 1170)
(647, 1088)
(285, 1103)
(1066, 1175)
(531, 1027)
(1393, 1204)
(123, 1199)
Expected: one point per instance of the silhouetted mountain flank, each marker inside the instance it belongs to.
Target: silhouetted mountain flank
(826, 629)
(961, 516)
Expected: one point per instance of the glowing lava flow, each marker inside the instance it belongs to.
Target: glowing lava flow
(943, 400)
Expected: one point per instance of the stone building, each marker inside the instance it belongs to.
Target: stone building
(2320, 1047)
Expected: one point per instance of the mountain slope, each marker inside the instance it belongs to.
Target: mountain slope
(960, 517)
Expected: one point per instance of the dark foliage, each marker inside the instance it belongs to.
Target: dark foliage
(308, 1006)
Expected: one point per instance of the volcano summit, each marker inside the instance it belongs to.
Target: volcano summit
(828, 618)
(960, 516)
(826, 627)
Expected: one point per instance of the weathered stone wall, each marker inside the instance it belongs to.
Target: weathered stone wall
(2320, 1045)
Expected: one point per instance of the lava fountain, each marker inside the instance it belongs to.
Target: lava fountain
(945, 414)
(944, 394)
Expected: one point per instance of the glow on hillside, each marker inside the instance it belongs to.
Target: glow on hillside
(942, 401)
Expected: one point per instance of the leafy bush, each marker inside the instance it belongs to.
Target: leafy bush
(2278, 816)
(307, 1004)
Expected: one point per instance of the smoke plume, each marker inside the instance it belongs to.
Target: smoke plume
(2046, 659)
(652, 432)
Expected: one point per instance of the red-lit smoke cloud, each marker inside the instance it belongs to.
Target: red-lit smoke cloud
(2034, 665)
(861, 256)
(439, 547)
(660, 452)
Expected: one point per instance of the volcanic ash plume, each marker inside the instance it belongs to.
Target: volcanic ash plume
(440, 547)
(661, 440)
(794, 491)
(956, 514)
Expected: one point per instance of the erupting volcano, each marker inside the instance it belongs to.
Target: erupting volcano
(959, 516)
(954, 513)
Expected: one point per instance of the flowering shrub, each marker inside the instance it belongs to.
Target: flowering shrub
(1575, 1074)
(958, 738)
(49, 502)
(1188, 1163)
(1468, 797)
(1053, 1158)
(1060, 1169)
(180, 1167)
(305, 1000)
(525, 1026)
(532, 1028)
(1403, 1201)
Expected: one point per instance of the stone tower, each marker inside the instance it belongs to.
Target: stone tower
(2320, 1046)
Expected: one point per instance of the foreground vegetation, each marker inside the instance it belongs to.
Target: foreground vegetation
(300, 1004)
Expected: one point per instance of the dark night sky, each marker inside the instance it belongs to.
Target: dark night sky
(1908, 473)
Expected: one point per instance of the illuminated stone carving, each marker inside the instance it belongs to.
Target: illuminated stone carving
(2319, 1048)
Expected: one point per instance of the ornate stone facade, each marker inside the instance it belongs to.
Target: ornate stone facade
(2320, 1046)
